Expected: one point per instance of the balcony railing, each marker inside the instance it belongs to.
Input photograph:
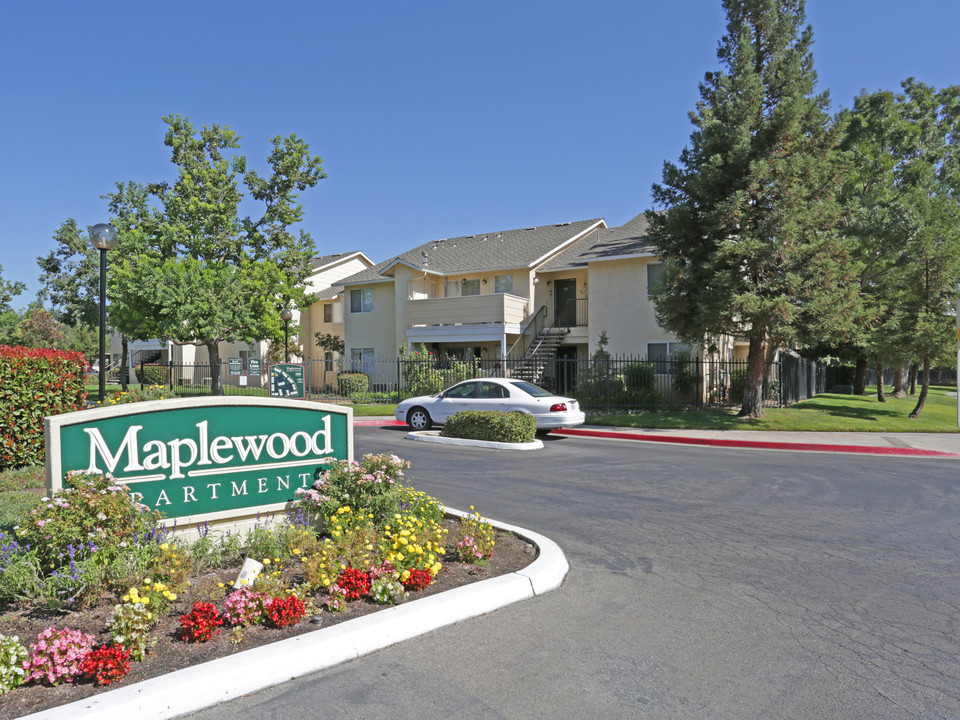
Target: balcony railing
(498, 308)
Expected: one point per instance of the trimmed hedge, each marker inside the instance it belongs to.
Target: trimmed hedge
(491, 425)
(34, 383)
(351, 383)
(153, 374)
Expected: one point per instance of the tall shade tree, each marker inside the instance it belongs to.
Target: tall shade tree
(8, 291)
(206, 273)
(747, 229)
(70, 279)
(70, 276)
(9, 318)
(902, 203)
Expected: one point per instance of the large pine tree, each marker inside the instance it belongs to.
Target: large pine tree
(747, 231)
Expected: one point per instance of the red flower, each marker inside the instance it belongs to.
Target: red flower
(106, 664)
(418, 580)
(198, 624)
(355, 583)
(286, 611)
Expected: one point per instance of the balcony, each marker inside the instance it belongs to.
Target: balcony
(498, 309)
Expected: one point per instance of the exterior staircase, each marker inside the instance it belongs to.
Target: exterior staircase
(542, 350)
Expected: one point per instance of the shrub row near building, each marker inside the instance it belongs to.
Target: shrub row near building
(34, 383)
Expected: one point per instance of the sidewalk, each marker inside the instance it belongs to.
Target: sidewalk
(897, 444)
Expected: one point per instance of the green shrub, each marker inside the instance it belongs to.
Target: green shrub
(424, 375)
(640, 381)
(686, 376)
(153, 374)
(376, 397)
(371, 486)
(351, 383)
(83, 529)
(34, 383)
(491, 425)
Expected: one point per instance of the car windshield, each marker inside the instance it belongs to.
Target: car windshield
(531, 389)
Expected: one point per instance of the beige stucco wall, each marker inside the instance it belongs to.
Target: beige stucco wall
(374, 329)
(619, 305)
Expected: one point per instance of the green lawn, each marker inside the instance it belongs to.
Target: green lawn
(373, 410)
(824, 413)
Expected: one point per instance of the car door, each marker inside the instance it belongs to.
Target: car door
(453, 400)
(491, 396)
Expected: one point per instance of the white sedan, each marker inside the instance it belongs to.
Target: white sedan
(504, 394)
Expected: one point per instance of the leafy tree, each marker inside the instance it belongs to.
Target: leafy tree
(330, 342)
(747, 231)
(70, 276)
(902, 206)
(8, 291)
(206, 274)
(41, 329)
(9, 318)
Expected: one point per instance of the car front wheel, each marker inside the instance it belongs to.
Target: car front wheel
(419, 419)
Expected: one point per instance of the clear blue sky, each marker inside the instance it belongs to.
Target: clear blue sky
(433, 118)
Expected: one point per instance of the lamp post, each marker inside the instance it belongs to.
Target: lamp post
(286, 315)
(103, 237)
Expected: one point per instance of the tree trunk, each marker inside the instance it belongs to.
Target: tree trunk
(124, 360)
(899, 387)
(923, 387)
(753, 390)
(213, 355)
(860, 377)
(913, 378)
(881, 395)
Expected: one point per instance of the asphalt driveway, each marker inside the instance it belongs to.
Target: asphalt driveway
(704, 583)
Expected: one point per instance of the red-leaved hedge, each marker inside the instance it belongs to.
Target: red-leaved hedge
(34, 383)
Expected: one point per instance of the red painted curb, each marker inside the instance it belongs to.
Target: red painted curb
(376, 421)
(758, 444)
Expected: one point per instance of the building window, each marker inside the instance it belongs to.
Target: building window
(470, 287)
(654, 277)
(660, 353)
(361, 301)
(361, 360)
(503, 284)
(328, 312)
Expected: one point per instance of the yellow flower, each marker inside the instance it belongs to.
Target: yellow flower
(164, 547)
(219, 584)
(266, 561)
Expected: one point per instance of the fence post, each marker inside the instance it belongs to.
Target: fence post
(782, 381)
(170, 373)
(608, 384)
(141, 374)
(399, 397)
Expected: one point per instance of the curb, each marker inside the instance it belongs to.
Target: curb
(224, 679)
(433, 436)
(758, 444)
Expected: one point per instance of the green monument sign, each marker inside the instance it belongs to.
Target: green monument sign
(199, 459)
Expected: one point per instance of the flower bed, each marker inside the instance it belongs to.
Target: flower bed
(177, 606)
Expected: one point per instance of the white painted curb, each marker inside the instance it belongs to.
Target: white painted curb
(201, 686)
(432, 436)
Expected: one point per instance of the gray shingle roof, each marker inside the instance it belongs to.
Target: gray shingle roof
(322, 260)
(607, 243)
(501, 250)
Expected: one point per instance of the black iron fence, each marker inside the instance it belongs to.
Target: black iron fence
(607, 384)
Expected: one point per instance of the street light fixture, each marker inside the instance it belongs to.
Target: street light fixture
(286, 315)
(103, 237)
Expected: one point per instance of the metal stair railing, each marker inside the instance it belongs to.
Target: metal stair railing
(533, 326)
